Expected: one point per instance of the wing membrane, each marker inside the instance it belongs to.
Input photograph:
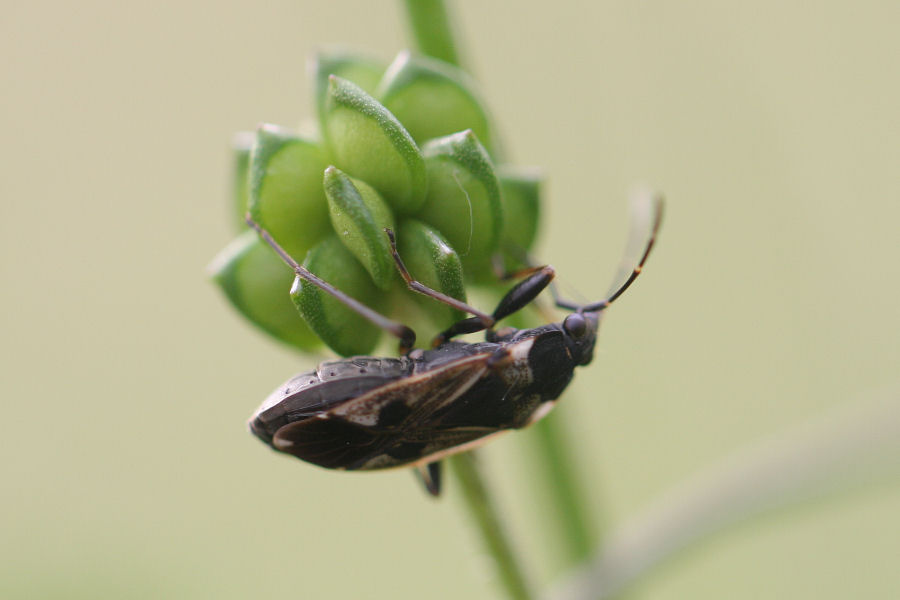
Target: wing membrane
(389, 426)
(329, 443)
(409, 403)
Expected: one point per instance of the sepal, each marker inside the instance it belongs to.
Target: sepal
(256, 282)
(342, 329)
(463, 201)
(431, 261)
(359, 217)
(433, 99)
(369, 143)
(285, 188)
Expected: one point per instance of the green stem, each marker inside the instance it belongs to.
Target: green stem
(484, 511)
(851, 448)
(433, 35)
(556, 461)
(430, 26)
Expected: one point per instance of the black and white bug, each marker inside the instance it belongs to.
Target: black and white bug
(365, 413)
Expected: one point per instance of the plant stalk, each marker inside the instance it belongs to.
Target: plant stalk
(433, 36)
(567, 498)
(432, 32)
(485, 513)
(856, 446)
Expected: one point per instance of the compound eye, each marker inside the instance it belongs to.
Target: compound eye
(575, 325)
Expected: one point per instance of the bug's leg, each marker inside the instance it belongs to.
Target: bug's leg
(530, 267)
(525, 291)
(482, 318)
(406, 335)
(561, 302)
(647, 214)
(515, 299)
(503, 274)
(430, 476)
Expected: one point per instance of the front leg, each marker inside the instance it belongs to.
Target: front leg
(515, 299)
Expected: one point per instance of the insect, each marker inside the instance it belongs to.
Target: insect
(365, 413)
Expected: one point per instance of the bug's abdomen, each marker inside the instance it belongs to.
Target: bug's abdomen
(314, 392)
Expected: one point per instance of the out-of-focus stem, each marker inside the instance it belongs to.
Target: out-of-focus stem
(431, 29)
(487, 518)
(859, 445)
(567, 497)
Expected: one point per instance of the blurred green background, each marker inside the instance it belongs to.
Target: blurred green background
(127, 471)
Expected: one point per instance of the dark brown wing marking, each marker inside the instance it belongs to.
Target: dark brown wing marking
(385, 427)
(406, 403)
(329, 443)
(432, 445)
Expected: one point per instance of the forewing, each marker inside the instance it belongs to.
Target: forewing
(426, 445)
(389, 426)
(329, 443)
(410, 403)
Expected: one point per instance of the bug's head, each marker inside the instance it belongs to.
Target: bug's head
(580, 331)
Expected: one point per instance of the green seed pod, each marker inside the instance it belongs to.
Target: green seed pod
(359, 217)
(342, 329)
(364, 71)
(463, 200)
(257, 282)
(431, 260)
(369, 143)
(433, 99)
(521, 194)
(241, 146)
(286, 195)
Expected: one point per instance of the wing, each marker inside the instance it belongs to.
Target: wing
(409, 403)
(292, 402)
(329, 443)
(388, 426)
